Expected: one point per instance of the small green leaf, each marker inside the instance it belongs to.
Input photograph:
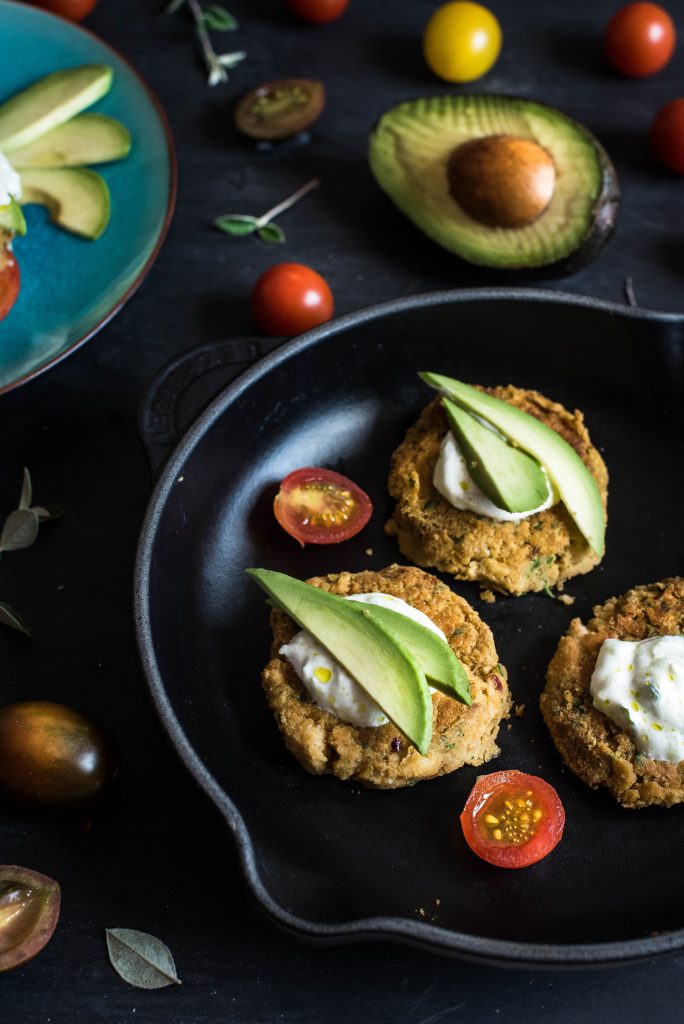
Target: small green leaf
(217, 19)
(8, 617)
(20, 530)
(26, 490)
(237, 224)
(174, 6)
(48, 513)
(141, 959)
(271, 233)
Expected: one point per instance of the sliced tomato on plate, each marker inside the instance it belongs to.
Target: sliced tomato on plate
(319, 506)
(9, 279)
(512, 819)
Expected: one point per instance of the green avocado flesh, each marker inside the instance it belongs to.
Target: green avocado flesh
(50, 102)
(86, 139)
(435, 657)
(77, 199)
(12, 218)
(574, 483)
(385, 669)
(506, 475)
(409, 153)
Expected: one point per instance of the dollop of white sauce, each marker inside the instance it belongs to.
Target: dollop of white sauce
(10, 181)
(329, 684)
(640, 686)
(452, 479)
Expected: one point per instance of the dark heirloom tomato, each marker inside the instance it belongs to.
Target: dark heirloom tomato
(53, 756)
(318, 506)
(9, 279)
(29, 910)
(276, 110)
(512, 819)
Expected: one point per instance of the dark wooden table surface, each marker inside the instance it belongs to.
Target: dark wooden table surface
(157, 856)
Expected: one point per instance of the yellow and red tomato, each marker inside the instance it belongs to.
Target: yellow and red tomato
(640, 39)
(462, 41)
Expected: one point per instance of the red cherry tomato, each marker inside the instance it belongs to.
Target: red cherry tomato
(318, 12)
(74, 10)
(318, 506)
(640, 39)
(290, 298)
(9, 280)
(667, 135)
(512, 819)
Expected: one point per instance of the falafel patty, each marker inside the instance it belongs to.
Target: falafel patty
(534, 553)
(589, 742)
(381, 757)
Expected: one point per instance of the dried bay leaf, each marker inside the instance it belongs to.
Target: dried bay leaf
(141, 959)
(26, 490)
(8, 617)
(20, 530)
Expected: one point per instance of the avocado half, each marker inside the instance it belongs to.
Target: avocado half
(500, 181)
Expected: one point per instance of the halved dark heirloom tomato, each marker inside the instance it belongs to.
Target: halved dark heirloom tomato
(512, 819)
(318, 506)
(9, 278)
(276, 110)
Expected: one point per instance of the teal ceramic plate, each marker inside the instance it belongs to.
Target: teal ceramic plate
(71, 287)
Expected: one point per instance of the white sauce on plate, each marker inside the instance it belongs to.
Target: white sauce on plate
(329, 684)
(640, 686)
(452, 479)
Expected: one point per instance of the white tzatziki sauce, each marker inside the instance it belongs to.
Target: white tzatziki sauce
(640, 686)
(452, 479)
(329, 684)
(10, 182)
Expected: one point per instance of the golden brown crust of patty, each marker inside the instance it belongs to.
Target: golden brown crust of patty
(541, 551)
(592, 745)
(382, 757)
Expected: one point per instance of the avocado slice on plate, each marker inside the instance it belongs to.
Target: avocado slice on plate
(500, 181)
(506, 475)
(50, 102)
(574, 483)
(78, 199)
(386, 669)
(86, 139)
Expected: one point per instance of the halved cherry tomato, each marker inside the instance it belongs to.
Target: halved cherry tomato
(276, 110)
(290, 298)
(319, 506)
(74, 10)
(512, 819)
(667, 135)
(9, 279)
(318, 12)
(640, 39)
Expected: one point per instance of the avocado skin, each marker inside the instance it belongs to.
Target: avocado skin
(603, 217)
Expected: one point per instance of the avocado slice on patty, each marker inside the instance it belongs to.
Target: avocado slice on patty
(500, 181)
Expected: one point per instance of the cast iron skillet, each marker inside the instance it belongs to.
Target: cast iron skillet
(327, 860)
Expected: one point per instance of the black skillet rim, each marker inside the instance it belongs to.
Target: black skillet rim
(426, 936)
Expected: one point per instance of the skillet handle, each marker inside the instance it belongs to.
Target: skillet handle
(184, 387)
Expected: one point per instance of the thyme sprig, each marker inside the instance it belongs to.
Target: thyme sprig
(240, 224)
(20, 530)
(211, 18)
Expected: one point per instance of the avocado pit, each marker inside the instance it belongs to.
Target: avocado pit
(503, 181)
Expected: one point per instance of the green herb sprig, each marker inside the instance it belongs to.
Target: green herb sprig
(20, 530)
(241, 224)
(211, 18)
